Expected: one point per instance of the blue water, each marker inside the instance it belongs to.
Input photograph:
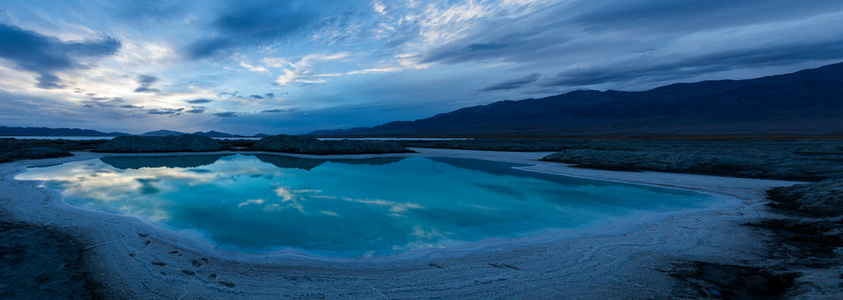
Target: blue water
(380, 206)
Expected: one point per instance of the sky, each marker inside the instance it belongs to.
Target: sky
(291, 67)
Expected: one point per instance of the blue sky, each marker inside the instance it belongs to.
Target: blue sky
(296, 66)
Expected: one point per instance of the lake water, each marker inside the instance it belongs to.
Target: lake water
(261, 203)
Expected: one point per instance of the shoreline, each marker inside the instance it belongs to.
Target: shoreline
(130, 255)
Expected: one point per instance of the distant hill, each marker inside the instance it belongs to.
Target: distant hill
(805, 102)
(216, 134)
(211, 133)
(44, 131)
(162, 132)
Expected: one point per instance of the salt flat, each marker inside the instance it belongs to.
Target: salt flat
(133, 259)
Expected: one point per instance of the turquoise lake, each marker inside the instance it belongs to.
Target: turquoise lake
(261, 203)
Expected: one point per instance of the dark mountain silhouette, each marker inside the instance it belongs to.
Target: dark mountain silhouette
(805, 102)
(44, 131)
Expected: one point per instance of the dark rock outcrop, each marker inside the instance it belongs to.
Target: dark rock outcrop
(821, 199)
(12, 149)
(787, 160)
(139, 144)
(309, 145)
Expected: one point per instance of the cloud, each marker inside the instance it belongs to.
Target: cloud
(250, 23)
(195, 110)
(46, 55)
(165, 111)
(300, 72)
(49, 81)
(227, 114)
(456, 53)
(147, 12)
(253, 68)
(510, 84)
(245, 24)
(199, 101)
(278, 110)
(130, 106)
(683, 67)
(207, 47)
(145, 82)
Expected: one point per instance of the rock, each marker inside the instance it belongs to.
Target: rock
(12, 149)
(309, 145)
(181, 143)
(821, 199)
(292, 144)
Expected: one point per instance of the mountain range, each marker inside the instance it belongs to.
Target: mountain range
(44, 131)
(804, 102)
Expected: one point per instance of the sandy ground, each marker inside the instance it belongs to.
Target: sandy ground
(132, 259)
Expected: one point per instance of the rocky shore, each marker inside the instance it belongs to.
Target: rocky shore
(309, 145)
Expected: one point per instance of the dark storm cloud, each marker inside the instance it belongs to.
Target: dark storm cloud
(199, 101)
(227, 114)
(44, 55)
(146, 82)
(510, 84)
(695, 65)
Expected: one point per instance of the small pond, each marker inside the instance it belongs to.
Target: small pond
(383, 206)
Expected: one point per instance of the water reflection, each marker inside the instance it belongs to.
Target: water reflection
(345, 207)
(137, 162)
(194, 161)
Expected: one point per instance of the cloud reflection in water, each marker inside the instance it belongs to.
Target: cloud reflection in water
(346, 208)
